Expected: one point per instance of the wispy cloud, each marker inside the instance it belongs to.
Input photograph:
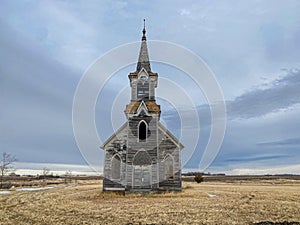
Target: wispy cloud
(282, 93)
(288, 169)
(286, 142)
(256, 158)
(25, 168)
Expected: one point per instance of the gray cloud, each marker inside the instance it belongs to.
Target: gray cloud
(290, 142)
(36, 94)
(255, 158)
(240, 143)
(281, 94)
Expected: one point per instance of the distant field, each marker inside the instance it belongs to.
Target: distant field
(214, 202)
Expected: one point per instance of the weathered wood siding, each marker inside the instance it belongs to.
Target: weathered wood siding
(167, 149)
(138, 172)
(135, 145)
(118, 146)
(152, 174)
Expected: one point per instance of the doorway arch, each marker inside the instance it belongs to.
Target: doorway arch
(142, 166)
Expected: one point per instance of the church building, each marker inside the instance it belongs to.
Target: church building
(142, 156)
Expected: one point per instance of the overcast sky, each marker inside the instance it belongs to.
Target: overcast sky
(253, 48)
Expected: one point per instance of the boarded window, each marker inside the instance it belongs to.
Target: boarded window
(116, 168)
(142, 131)
(169, 168)
(143, 90)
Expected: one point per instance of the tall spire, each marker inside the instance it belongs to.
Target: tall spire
(144, 32)
(143, 61)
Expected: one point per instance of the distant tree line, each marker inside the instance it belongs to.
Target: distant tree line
(202, 173)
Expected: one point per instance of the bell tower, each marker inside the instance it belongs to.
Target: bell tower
(143, 116)
(143, 81)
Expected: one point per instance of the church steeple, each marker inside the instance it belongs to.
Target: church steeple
(144, 32)
(143, 61)
(142, 156)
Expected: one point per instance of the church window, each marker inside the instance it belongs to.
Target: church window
(143, 90)
(116, 168)
(169, 168)
(142, 131)
(141, 158)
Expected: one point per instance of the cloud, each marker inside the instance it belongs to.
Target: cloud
(267, 112)
(256, 158)
(25, 168)
(184, 12)
(36, 94)
(287, 169)
(282, 93)
(281, 143)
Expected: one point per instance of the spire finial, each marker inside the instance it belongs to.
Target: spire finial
(144, 31)
(143, 61)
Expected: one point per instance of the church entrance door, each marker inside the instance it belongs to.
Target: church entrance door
(142, 177)
(141, 170)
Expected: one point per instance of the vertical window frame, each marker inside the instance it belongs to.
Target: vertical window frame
(146, 131)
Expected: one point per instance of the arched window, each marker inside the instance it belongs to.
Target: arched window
(142, 131)
(116, 168)
(168, 168)
(141, 158)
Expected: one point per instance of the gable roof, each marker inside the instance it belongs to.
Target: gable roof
(142, 72)
(133, 107)
(160, 126)
(142, 107)
(135, 74)
(115, 135)
(170, 135)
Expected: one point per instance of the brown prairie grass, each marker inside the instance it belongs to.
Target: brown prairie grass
(204, 203)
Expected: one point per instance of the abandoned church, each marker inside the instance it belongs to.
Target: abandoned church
(142, 155)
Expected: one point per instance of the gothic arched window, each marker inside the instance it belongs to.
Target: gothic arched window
(141, 158)
(142, 131)
(116, 168)
(168, 168)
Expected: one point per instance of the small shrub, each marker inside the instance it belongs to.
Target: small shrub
(198, 178)
(187, 187)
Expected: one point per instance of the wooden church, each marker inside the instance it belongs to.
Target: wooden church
(142, 156)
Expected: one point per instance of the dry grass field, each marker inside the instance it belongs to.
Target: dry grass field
(205, 203)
